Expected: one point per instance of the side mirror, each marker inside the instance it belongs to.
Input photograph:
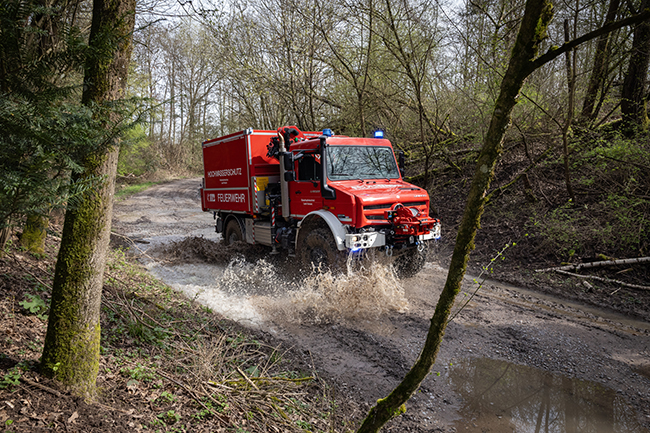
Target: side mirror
(288, 161)
(289, 176)
(326, 191)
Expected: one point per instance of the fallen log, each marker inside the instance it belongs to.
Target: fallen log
(603, 279)
(597, 264)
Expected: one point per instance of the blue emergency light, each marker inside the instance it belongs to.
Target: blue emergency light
(327, 132)
(379, 133)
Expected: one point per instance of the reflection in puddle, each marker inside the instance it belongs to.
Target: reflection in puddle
(503, 397)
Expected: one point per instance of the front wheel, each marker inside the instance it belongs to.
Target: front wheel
(318, 251)
(411, 262)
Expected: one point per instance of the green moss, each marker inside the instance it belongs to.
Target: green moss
(393, 413)
(399, 411)
(76, 365)
(543, 22)
(34, 233)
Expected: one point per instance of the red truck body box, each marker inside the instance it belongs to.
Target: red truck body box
(236, 168)
(231, 165)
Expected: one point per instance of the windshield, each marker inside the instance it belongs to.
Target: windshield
(361, 162)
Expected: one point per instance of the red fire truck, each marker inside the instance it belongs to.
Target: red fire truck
(317, 195)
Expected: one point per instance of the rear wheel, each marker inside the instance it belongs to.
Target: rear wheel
(318, 251)
(233, 232)
(409, 263)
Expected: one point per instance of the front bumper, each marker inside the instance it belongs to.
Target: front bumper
(357, 241)
(365, 240)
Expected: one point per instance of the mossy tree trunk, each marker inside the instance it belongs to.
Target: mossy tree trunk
(536, 18)
(523, 62)
(71, 352)
(34, 233)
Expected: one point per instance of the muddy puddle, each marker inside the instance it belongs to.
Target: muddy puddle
(499, 396)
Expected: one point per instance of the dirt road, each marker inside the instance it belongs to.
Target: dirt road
(511, 360)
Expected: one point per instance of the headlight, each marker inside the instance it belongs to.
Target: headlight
(414, 211)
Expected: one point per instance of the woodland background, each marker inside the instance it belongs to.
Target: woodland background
(573, 180)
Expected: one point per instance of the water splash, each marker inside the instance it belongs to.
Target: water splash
(366, 290)
(274, 286)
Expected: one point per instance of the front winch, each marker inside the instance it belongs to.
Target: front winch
(406, 222)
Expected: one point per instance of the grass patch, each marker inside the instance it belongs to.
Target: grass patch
(123, 191)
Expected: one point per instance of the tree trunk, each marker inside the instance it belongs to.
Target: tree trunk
(71, 352)
(633, 104)
(599, 71)
(536, 18)
(5, 234)
(571, 77)
(34, 233)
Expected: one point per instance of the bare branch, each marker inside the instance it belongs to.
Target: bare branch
(553, 52)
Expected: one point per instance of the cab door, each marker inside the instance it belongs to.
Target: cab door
(305, 190)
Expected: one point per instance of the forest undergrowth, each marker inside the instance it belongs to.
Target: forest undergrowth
(607, 219)
(167, 364)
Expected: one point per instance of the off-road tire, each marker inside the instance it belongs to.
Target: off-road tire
(318, 251)
(408, 264)
(232, 233)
